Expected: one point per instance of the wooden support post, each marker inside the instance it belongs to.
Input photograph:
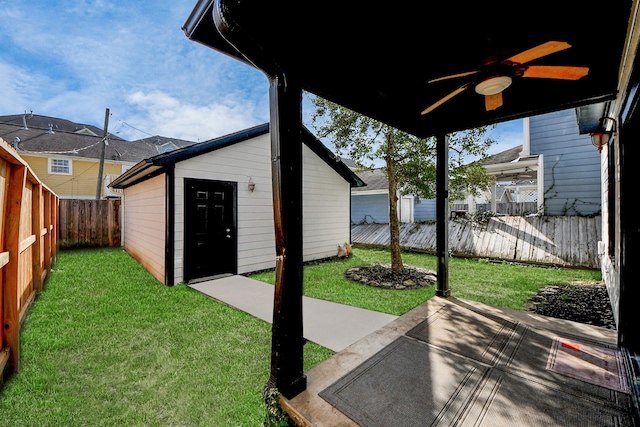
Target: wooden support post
(10, 297)
(286, 155)
(442, 215)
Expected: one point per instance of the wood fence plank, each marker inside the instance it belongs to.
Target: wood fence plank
(543, 245)
(91, 223)
(565, 243)
(529, 239)
(537, 239)
(503, 238)
(489, 241)
(592, 243)
(575, 241)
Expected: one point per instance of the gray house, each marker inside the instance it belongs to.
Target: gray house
(207, 209)
(370, 204)
(570, 180)
(556, 166)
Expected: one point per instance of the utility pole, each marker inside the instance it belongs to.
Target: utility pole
(103, 148)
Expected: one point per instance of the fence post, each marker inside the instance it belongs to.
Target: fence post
(36, 229)
(11, 307)
(47, 225)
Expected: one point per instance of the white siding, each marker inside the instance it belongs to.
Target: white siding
(325, 203)
(235, 163)
(144, 224)
(325, 209)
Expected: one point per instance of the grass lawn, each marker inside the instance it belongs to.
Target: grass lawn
(106, 344)
(498, 284)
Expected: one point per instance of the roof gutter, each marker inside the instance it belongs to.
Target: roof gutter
(230, 37)
(140, 169)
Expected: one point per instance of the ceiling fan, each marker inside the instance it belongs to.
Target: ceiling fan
(495, 76)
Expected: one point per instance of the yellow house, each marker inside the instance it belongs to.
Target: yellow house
(68, 157)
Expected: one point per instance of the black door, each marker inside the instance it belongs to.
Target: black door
(210, 228)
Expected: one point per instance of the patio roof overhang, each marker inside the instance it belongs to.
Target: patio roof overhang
(507, 171)
(388, 61)
(378, 59)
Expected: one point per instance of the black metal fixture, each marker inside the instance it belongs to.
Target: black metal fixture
(603, 134)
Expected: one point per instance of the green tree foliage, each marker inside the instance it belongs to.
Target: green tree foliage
(409, 162)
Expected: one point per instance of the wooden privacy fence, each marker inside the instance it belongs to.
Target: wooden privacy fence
(89, 223)
(569, 241)
(503, 208)
(28, 247)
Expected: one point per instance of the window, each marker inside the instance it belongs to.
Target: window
(166, 147)
(60, 166)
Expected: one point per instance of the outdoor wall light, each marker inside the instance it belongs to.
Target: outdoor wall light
(602, 135)
(252, 185)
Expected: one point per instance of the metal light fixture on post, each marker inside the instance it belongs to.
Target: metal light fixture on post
(602, 135)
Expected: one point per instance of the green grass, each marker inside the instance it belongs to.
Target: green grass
(498, 284)
(106, 344)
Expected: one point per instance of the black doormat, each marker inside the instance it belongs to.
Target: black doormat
(408, 383)
(411, 383)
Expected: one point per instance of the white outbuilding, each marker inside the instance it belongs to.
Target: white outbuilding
(207, 209)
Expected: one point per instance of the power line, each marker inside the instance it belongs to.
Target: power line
(135, 128)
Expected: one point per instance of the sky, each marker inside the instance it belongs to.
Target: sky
(73, 59)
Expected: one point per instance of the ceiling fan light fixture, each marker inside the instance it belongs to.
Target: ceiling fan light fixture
(493, 85)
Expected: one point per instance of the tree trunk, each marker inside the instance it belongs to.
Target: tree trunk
(394, 223)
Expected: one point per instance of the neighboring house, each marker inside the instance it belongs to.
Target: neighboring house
(207, 209)
(66, 156)
(571, 181)
(370, 204)
(515, 182)
(556, 166)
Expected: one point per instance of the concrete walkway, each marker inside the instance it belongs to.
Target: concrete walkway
(332, 325)
(448, 362)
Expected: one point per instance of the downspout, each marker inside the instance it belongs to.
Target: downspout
(169, 240)
(350, 219)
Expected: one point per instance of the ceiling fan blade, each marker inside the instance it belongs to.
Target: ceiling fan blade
(556, 72)
(454, 76)
(491, 102)
(443, 100)
(539, 51)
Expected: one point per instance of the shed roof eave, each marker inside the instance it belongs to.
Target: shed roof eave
(136, 173)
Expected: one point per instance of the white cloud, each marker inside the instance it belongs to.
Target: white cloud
(74, 59)
(161, 114)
